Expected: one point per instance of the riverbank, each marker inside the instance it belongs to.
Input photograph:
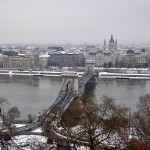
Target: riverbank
(125, 74)
(107, 75)
(33, 73)
(30, 73)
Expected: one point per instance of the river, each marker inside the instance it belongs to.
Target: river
(34, 94)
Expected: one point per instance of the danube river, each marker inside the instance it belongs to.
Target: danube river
(34, 94)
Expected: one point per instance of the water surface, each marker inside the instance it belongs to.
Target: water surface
(33, 94)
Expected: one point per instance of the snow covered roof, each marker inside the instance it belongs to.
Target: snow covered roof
(44, 55)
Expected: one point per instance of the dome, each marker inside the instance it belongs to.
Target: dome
(111, 39)
(143, 50)
(130, 51)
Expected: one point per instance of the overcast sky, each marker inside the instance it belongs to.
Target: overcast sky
(74, 21)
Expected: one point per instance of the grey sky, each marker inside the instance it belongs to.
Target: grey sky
(74, 21)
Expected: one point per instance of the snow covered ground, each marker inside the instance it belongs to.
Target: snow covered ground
(27, 141)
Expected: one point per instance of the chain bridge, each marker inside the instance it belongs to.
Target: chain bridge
(72, 87)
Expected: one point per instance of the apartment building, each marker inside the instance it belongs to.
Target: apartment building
(66, 60)
(17, 62)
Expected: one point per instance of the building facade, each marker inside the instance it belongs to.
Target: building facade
(34, 60)
(133, 59)
(66, 60)
(43, 60)
(24, 63)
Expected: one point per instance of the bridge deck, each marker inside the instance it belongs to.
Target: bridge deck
(63, 99)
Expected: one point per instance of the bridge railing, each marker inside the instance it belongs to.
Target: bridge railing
(68, 97)
(61, 102)
(64, 96)
(83, 80)
(60, 96)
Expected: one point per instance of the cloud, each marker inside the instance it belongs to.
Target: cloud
(73, 20)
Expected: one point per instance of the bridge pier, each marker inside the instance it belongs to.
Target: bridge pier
(70, 79)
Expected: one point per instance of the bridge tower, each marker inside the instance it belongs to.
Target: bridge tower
(89, 66)
(70, 80)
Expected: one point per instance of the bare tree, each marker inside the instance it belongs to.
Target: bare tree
(13, 113)
(5, 128)
(92, 124)
(31, 118)
(101, 122)
(141, 119)
(134, 144)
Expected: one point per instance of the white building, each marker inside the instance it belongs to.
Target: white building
(43, 60)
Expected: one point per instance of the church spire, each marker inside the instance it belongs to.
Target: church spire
(104, 44)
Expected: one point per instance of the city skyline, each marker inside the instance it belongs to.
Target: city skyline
(75, 21)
